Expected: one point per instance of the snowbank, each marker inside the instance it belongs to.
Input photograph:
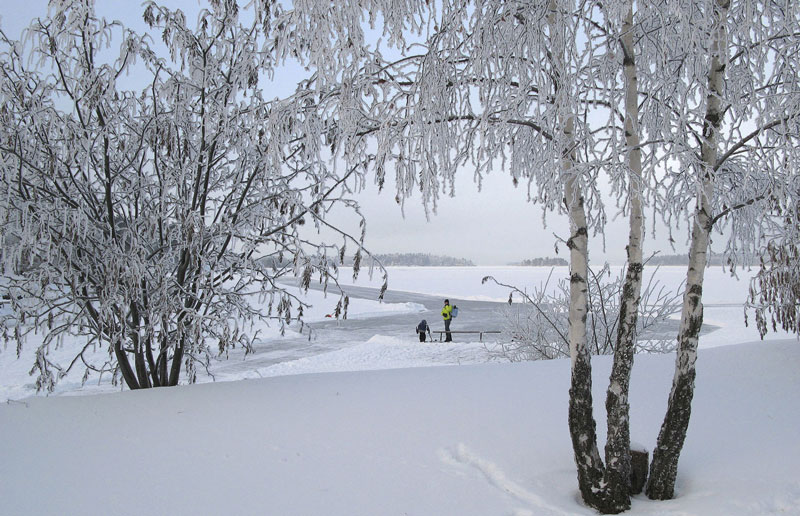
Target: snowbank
(382, 352)
(485, 439)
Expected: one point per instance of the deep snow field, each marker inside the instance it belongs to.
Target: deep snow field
(367, 429)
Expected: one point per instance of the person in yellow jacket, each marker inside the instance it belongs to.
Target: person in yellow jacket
(447, 315)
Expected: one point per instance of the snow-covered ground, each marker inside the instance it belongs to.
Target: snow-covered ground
(367, 429)
(723, 299)
(479, 440)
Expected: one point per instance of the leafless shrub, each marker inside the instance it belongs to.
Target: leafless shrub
(536, 327)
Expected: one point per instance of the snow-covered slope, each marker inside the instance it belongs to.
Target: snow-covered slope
(488, 439)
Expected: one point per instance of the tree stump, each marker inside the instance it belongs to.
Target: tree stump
(640, 459)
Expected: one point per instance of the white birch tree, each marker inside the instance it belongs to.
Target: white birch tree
(482, 84)
(520, 84)
(156, 222)
(734, 109)
(688, 108)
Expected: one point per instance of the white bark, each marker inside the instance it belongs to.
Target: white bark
(617, 451)
(663, 471)
(581, 419)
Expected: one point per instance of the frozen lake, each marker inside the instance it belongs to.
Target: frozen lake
(465, 282)
(417, 293)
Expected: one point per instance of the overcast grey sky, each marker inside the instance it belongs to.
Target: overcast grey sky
(494, 227)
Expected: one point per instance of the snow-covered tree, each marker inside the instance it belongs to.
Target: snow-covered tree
(688, 108)
(532, 87)
(729, 102)
(156, 221)
(566, 97)
(775, 290)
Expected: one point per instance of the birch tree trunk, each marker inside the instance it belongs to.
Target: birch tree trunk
(582, 426)
(617, 451)
(664, 468)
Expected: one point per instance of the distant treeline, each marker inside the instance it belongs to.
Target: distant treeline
(409, 259)
(670, 259)
(422, 260)
(683, 259)
(542, 262)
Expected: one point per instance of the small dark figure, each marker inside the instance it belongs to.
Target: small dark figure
(447, 315)
(422, 328)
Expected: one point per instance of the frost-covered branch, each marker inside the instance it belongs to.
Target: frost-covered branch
(158, 221)
(535, 329)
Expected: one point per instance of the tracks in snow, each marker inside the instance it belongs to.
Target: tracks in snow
(462, 456)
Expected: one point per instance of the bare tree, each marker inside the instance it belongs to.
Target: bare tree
(156, 222)
(535, 326)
